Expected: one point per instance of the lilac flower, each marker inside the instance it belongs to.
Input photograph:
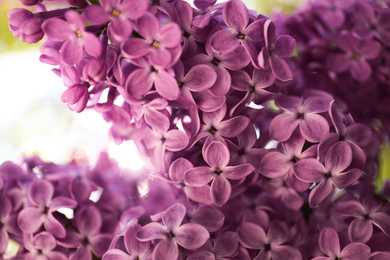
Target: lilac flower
(42, 247)
(141, 80)
(25, 25)
(366, 214)
(43, 205)
(236, 17)
(356, 53)
(224, 246)
(330, 245)
(156, 45)
(313, 127)
(75, 37)
(117, 12)
(338, 158)
(176, 172)
(77, 97)
(88, 240)
(216, 129)
(271, 245)
(217, 156)
(274, 51)
(135, 248)
(7, 222)
(173, 233)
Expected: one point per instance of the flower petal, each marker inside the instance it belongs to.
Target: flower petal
(221, 190)
(191, 236)
(329, 242)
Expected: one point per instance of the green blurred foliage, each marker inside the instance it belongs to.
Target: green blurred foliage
(384, 166)
(286, 6)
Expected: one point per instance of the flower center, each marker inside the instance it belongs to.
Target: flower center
(356, 56)
(155, 44)
(78, 33)
(215, 61)
(240, 36)
(115, 13)
(213, 130)
(180, 84)
(218, 171)
(171, 235)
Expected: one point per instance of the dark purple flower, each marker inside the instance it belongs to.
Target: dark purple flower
(313, 127)
(173, 233)
(366, 214)
(236, 17)
(338, 158)
(357, 52)
(330, 245)
(274, 51)
(43, 205)
(75, 37)
(118, 13)
(270, 244)
(157, 43)
(218, 173)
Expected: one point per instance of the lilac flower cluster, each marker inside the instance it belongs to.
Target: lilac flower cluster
(204, 94)
(343, 49)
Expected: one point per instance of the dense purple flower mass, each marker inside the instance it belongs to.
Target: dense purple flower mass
(250, 153)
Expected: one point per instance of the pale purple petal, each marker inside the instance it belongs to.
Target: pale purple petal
(116, 254)
(207, 102)
(320, 192)
(152, 231)
(277, 233)
(200, 78)
(338, 157)
(370, 49)
(282, 126)
(166, 249)
(71, 52)
(159, 57)
(263, 58)
(166, 85)
(53, 226)
(175, 140)
(191, 236)
(345, 179)
(199, 176)
(95, 14)
(360, 230)
(209, 217)
(235, 15)
(222, 83)
(224, 41)
(178, 168)
(289, 103)
(139, 82)
(226, 244)
(135, 48)
(314, 127)
(173, 216)
(92, 44)
(100, 243)
(316, 104)
(57, 29)
(148, 26)
(221, 190)
(233, 126)
(275, 165)
(82, 253)
(355, 251)
(30, 219)
(359, 133)
(133, 246)
(44, 241)
(62, 202)
(134, 9)
(157, 120)
(170, 35)
(237, 172)
(252, 236)
(382, 221)
(284, 46)
(286, 252)
(4, 239)
(88, 220)
(120, 29)
(236, 59)
(329, 242)
(217, 155)
(338, 63)
(41, 192)
(360, 70)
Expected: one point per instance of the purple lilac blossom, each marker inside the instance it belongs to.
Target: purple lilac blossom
(163, 73)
